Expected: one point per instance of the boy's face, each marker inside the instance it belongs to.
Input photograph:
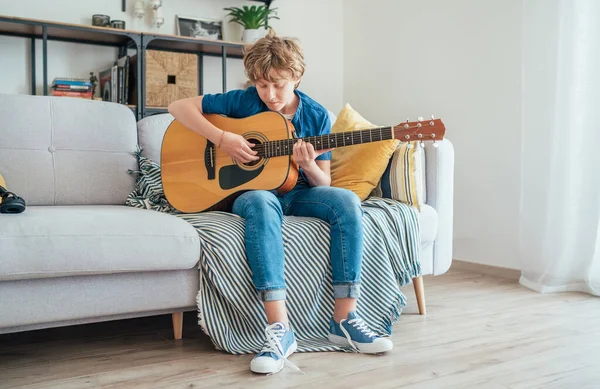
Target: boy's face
(279, 92)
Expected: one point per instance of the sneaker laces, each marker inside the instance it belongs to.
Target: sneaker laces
(274, 333)
(360, 325)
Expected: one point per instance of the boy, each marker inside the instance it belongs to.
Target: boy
(275, 66)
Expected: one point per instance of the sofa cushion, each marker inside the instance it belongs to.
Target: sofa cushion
(428, 224)
(56, 241)
(65, 151)
(359, 168)
(151, 131)
(404, 176)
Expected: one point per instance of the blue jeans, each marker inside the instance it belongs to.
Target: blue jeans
(263, 212)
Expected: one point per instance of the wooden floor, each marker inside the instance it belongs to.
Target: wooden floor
(479, 332)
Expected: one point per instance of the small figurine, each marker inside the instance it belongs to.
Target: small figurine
(94, 81)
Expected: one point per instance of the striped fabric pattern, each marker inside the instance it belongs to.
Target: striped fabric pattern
(148, 192)
(404, 177)
(229, 309)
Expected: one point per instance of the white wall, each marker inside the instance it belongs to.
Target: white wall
(459, 60)
(322, 40)
(319, 26)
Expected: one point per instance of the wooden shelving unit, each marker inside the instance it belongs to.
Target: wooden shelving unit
(44, 31)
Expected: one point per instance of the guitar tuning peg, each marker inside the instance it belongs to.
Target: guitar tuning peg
(422, 144)
(409, 146)
(432, 117)
(420, 118)
(436, 144)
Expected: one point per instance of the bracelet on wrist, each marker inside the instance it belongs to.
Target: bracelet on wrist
(221, 138)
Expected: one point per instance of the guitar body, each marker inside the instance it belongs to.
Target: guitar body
(197, 176)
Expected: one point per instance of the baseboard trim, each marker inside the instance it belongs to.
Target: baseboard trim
(496, 271)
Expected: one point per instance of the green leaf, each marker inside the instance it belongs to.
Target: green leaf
(251, 17)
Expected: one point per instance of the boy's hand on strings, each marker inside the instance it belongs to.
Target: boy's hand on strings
(305, 153)
(237, 147)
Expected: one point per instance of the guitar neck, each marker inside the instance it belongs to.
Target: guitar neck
(341, 139)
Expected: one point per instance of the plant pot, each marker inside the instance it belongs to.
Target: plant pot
(251, 36)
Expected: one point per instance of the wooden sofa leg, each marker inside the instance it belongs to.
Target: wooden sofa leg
(420, 293)
(177, 325)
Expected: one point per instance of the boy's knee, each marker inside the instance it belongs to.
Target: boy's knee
(257, 201)
(346, 202)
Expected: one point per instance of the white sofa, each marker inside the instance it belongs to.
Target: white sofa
(79, 255)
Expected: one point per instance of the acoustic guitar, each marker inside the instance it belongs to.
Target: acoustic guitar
(197, 176)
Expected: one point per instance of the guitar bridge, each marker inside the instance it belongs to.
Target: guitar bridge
(209, 159)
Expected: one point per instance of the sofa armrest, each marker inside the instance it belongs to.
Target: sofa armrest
(439, 164)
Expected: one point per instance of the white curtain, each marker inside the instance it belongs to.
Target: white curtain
(560, 146)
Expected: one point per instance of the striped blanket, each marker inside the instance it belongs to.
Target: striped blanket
(229, 309)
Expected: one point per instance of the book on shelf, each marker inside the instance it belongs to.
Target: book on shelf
(72, 87)
(71, 81)
(115, 82)
(82, 95)
(67, 87)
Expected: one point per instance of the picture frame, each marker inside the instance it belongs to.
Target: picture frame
(203, 28)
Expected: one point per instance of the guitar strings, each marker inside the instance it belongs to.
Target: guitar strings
(273, 148)
(355, 137)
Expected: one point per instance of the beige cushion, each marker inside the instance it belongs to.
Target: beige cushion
(56, 241)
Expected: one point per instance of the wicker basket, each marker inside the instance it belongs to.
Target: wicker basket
(170, 77)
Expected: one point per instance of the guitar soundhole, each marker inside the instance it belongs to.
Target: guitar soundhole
(257, 147)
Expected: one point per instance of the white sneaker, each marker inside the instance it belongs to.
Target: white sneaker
(280, 343)
(355, 333)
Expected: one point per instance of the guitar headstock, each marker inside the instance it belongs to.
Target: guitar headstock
(420, 130)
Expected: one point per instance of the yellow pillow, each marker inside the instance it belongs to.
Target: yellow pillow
(359, 167)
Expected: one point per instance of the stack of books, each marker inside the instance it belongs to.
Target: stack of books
(72, 87)
(116, 83)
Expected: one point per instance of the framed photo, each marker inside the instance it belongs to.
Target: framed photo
(199, 28)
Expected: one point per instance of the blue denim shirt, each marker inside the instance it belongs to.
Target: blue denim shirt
(311, 118)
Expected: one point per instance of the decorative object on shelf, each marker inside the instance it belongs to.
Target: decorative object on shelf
(100, 20)
(119, 24)
(139, 12)
(94, 82)
(199, 28)
(157, 16)
(254, 19)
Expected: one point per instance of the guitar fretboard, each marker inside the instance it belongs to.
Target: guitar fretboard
(286, 146)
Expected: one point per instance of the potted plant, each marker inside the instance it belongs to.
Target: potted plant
(254, 19)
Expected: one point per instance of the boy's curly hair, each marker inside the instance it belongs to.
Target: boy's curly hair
(273, 53)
